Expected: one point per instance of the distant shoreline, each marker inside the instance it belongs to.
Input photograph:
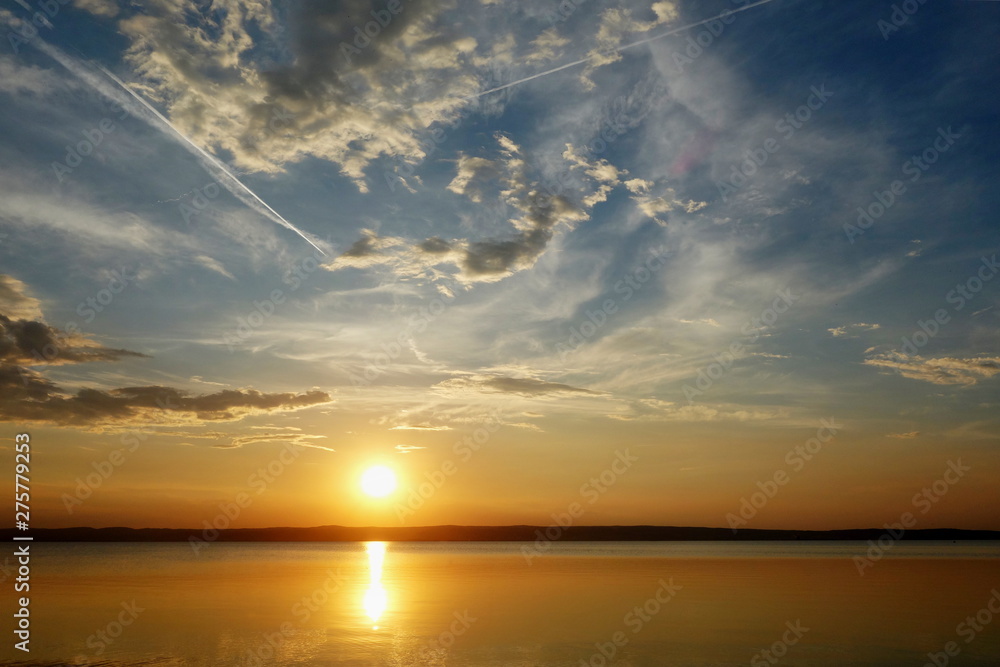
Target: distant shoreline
(491, 534)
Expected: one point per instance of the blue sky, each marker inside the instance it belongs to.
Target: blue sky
(592, 252)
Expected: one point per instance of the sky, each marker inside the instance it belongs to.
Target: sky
(741, 273)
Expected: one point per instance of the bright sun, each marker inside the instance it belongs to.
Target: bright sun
(378, 481)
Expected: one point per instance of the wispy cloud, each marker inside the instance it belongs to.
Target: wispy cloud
(847, 329)
(943, 371)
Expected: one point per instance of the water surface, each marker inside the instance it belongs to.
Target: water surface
(667, 603)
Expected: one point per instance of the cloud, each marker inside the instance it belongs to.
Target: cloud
(77, 222)
(541, 207)
(547, 46)
(270, 95)
(435, 246)
(618, 23)
(420, 427)
(33, 343)
(526, 426)
(16, 78)
(470, 175)
(213, 265)
(365, 252)
(903, 436)
(656, 410)
(15, 301)
(655, 207)
(540, 213)
(27, 396)
(406, 449)
(705, 320)
(298, 439)
(943, 371)
(837, 332)
(638, 186)
(528, 387)
(401, 257)
(104, 8)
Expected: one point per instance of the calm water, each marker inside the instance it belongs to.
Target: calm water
(484, 604)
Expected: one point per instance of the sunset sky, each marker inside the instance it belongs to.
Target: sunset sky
(326, 250)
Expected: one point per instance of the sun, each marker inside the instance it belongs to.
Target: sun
(378, 481)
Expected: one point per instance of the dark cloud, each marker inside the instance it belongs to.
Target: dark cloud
(36, 343)
(500, 257)
(27, 396)
(435, 246)
(363, 247)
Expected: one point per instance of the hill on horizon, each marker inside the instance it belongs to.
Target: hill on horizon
(517, 533)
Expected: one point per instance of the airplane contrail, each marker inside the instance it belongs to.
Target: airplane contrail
(619, 49)
(211, 164)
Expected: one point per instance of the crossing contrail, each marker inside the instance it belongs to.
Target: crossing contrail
(211, 164)
(619, 49)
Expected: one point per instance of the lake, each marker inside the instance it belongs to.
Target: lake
(489, 603)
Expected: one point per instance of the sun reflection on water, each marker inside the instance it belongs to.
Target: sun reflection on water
(376, 600)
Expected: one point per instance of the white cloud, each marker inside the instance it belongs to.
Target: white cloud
(846, 329)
